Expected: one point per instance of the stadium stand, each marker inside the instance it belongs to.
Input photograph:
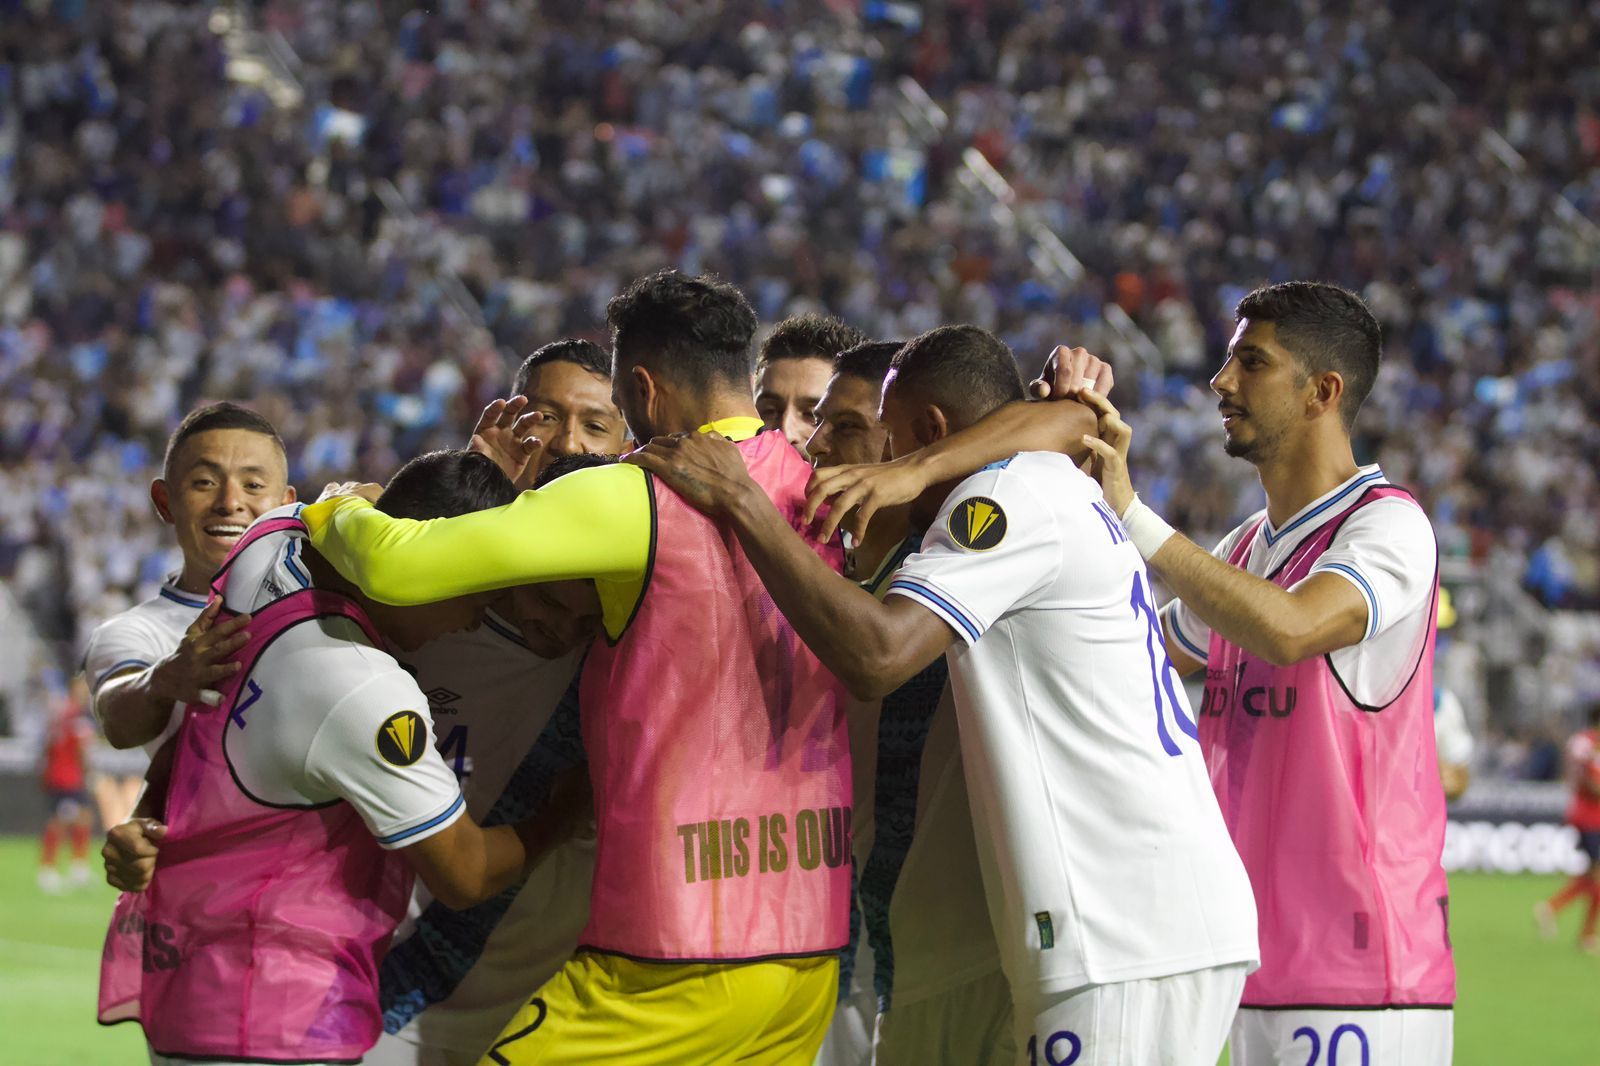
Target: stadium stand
(354, 215)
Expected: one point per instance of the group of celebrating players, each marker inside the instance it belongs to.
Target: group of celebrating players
(710, 755)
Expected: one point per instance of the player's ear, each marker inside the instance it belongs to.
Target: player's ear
(162, 500)
(1328, 392)
(289, 495)
(931, 425)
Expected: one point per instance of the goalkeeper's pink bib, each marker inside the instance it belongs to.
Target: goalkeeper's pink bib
(261, 935)
(718, 752)
(1337, 811)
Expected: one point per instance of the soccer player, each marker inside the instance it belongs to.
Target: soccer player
(298, 810)
(1123, 914)
(568, 384)
(1583, 814)
(1315, 622)
(224, 468)
(721, 884)
(917, 868)
(792, 368)
(65, 762)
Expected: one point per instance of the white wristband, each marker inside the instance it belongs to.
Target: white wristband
(1148, 530)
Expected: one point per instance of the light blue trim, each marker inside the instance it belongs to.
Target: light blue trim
(406, 834)
(171, 594)
(503, 630)
(998, 464)
(288, 561)
(124, 664)
(1188, 645)
(943, 605)
(1361, 482)
(1374, 613)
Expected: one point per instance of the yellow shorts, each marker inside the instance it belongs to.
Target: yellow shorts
(608, 1009)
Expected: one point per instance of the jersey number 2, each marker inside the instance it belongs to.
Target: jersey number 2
(1163, 678)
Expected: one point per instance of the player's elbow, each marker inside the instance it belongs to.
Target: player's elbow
(457, 893)
(1287, 645)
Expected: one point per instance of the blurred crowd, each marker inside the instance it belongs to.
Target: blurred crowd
(360, 233)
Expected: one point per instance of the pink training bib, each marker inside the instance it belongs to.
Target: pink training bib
(1337, 811)
(718, 752)
(261, 935)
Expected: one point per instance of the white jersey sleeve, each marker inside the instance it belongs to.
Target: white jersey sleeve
(375, 751)
(1184, 626)
(1387, 551)
(137, 639)
(993, 549)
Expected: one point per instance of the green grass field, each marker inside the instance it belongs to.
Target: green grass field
(1523, 1002)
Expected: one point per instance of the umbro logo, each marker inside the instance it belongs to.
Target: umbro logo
(441, 696)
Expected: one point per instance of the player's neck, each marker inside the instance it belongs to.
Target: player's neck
(1301, 472)
(195, 577)
(889, 527)
(712, 407)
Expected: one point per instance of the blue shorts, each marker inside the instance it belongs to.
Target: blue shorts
(1589, 843)
(65, 803)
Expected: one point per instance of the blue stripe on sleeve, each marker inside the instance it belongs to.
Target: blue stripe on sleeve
(1188, 645)
(407, 834)
(1366, 589)
(939, 603)
(123, 665)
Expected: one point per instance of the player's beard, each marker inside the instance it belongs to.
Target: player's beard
(1256, 446)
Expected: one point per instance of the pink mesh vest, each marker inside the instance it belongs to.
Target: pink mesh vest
(1337, 811)
(261, 935)
(718, 751)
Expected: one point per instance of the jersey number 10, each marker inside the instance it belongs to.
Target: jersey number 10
(1163, 678)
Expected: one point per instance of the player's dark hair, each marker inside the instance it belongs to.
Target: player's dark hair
(567, 464)
(581, 353)
(807, 336)
(1325, 328)
(695, 330)
(222, 415)
(965, 370)
(445, 484)
(869, 361)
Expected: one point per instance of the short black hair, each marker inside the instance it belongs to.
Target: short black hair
(967, 371)
(807, 336)
(869, 361)
(695, 330)
(445, 484)
(224, 415)
(586, 354)
(1325, 328)
(567, 464)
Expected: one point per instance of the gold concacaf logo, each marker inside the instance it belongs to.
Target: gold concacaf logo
(977, 523)
(401, 738)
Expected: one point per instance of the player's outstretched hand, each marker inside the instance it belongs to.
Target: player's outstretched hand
(855, 493)
(706, 469)
(366, 490)
(1068, 372)
(1110, 448)
(505, 434)
(186, 676)
(130, 853)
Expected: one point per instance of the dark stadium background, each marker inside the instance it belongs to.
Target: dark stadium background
(355, 217)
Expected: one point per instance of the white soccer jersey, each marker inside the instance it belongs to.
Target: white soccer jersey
(1386, 550)
(328, 717)
(1103, 853)
(491, 700)
(140, 637)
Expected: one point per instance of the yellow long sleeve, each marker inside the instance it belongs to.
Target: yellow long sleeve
(593, 523)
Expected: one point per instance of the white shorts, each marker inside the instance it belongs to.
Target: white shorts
(1342, 1037)
(393, 1049)
(853, 1031)
(968, 1025)
(1181, 1020)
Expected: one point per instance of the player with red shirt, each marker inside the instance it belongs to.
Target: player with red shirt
(1583, 814)
(66, 751)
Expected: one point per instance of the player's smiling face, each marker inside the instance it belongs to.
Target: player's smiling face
(1259, 391)
(848, 429)
(221, 481)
